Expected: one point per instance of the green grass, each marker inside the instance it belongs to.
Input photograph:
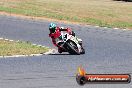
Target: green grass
(8, 48)
(96, 12)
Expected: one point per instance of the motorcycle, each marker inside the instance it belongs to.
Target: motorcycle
(70, 44)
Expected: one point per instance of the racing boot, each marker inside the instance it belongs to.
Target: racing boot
(60, 50)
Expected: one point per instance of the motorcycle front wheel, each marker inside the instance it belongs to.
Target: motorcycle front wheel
(72, 48)
(83, 51)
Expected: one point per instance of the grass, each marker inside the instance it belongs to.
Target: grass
(8, 48)
(96, 12)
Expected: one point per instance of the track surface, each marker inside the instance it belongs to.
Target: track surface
(107, 51)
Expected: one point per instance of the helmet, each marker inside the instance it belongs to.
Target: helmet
(52, 27)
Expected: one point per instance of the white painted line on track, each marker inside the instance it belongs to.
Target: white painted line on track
(34, 44)
(106, 27)
(1, 38)
(6, 39)
(97, 26)
(39, 45)
(116, 28)
(11, 40)
(51, 51)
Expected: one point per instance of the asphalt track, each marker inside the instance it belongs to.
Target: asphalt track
(107, 51)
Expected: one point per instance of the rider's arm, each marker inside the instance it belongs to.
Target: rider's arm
(53, 39)
(66, 29)
(63, 29)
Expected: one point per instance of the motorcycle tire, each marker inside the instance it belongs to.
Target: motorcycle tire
(72, 49)
(83, 51)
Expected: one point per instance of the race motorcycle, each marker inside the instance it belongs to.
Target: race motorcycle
(70, 44)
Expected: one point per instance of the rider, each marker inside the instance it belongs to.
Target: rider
(55, 32)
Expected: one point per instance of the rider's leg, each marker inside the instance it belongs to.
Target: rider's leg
(59, 50)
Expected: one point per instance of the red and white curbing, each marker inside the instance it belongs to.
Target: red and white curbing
(51, 51)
